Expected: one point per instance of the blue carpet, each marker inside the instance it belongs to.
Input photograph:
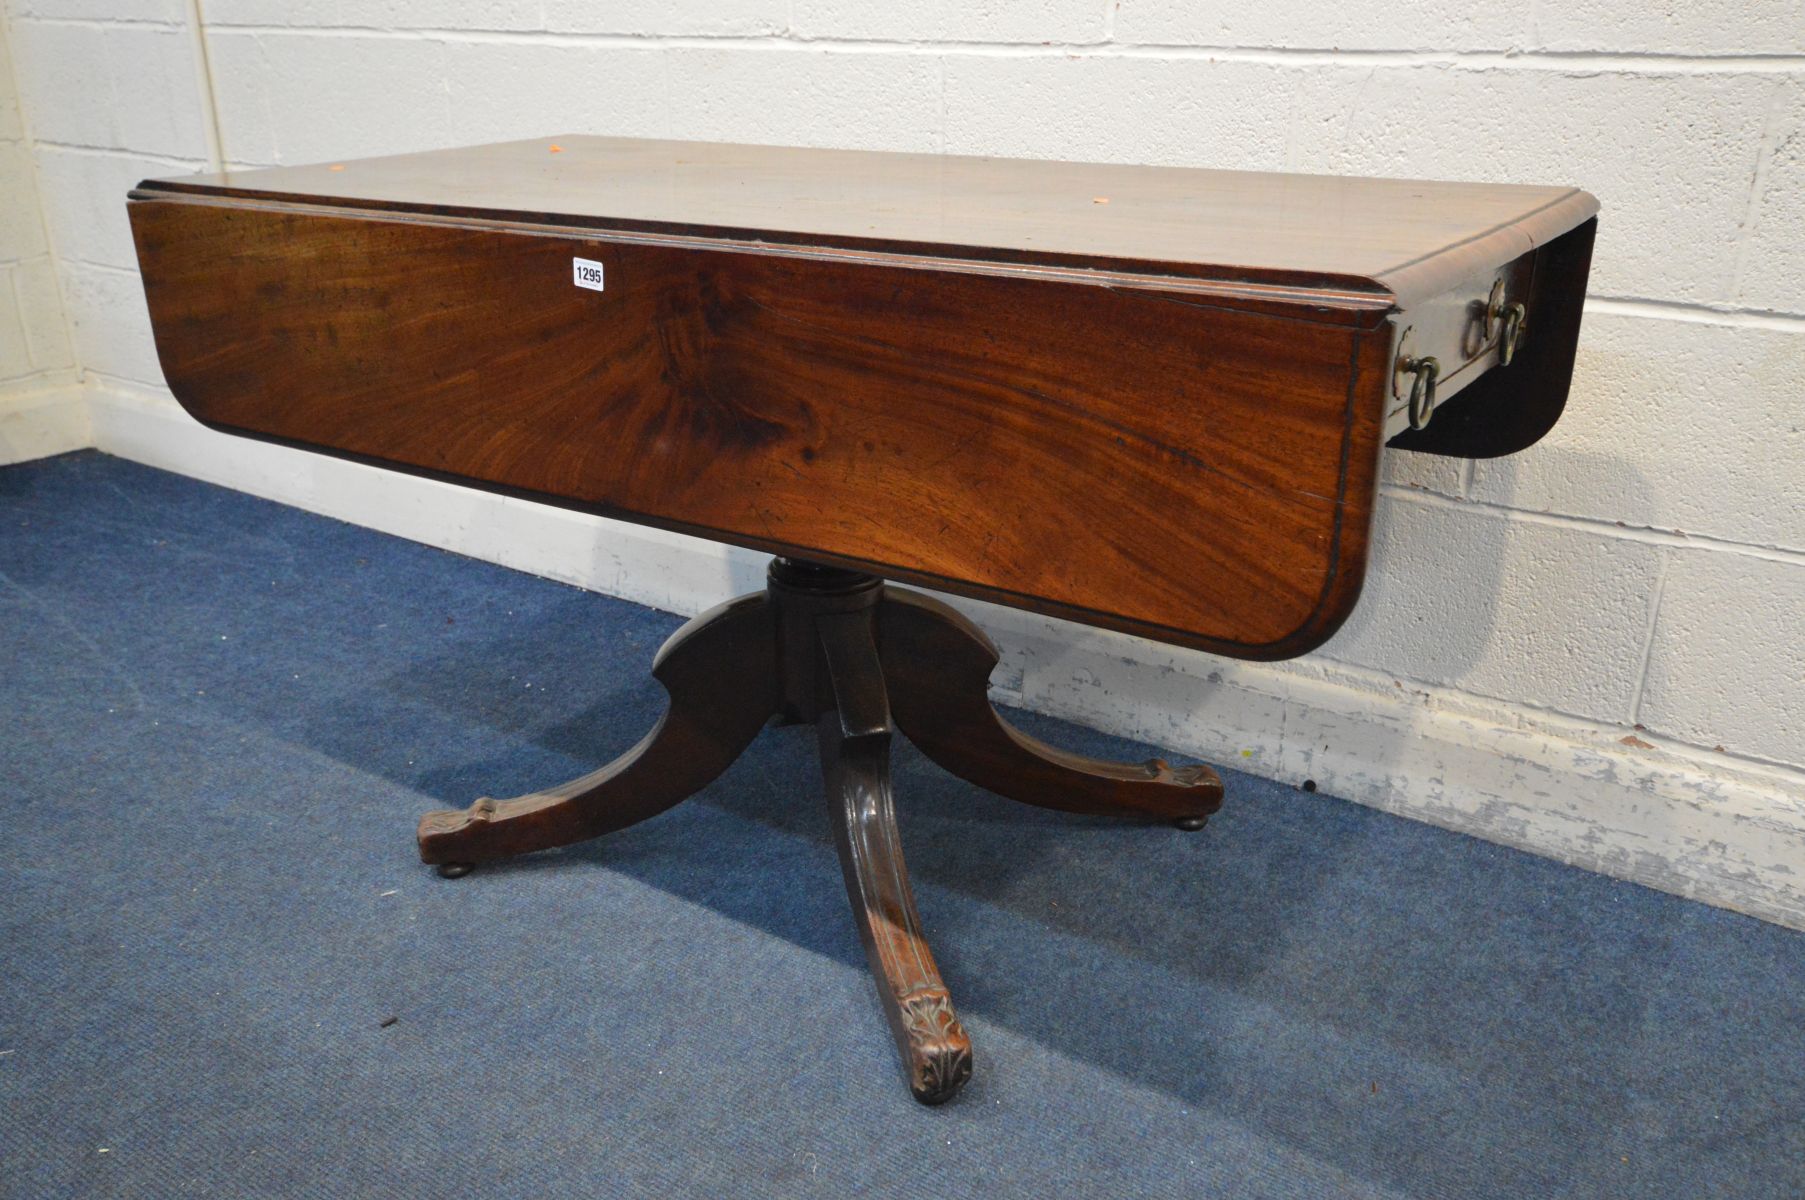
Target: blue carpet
(222, 718)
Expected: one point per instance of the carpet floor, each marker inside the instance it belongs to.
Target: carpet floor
(224, 973)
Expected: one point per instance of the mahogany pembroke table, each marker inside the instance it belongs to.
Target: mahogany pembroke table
(1142, 398)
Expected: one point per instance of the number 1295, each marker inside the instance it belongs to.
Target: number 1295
(587, 274)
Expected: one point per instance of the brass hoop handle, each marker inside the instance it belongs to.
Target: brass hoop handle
(1494, 308)
(1512, 333)
(1424, 372)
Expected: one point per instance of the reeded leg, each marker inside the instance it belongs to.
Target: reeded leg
(937, 666)
(854, 728)
(721, 673)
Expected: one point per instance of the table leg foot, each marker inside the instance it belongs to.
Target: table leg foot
(936, 1050)
(720, 673)
(937, 666)
(854, 732)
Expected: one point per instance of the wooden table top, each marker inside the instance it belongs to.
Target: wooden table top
(1145, 398)
(1404, 239)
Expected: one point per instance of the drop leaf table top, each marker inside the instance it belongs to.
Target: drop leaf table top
(1146, 398)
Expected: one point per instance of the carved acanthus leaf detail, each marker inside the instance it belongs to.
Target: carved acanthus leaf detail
(940, 1051)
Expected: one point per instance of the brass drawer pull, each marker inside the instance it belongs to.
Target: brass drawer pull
(1511, 334)
(1494, 308)
(1424, 372)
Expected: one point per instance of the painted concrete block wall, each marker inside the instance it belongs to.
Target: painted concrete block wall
(39, 414)
(1639, 575)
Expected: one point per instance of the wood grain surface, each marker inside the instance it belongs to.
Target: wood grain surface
(1407, 239)
(1124, 456)
(1148, 399)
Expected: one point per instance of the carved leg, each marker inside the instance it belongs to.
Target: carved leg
(721, 672)
(938, 666)
(854, 728)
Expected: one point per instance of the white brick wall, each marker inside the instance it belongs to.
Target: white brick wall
(1693, 426)
(1643, 566)
(1349, 25)
(1728, 654)
(1156, 109)
(951, 20)
(110, 86)
(1768, 258)
(34, 340)
(1478, 601)
(1689, 27)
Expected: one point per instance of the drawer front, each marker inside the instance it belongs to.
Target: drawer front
(1465, 331)
(1187, 471)
(1506, 408)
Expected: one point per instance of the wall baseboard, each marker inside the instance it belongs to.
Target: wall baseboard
(1724, 831)
(1691, 822)
(40, 418)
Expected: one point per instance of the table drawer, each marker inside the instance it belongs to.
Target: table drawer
(1445, 343)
